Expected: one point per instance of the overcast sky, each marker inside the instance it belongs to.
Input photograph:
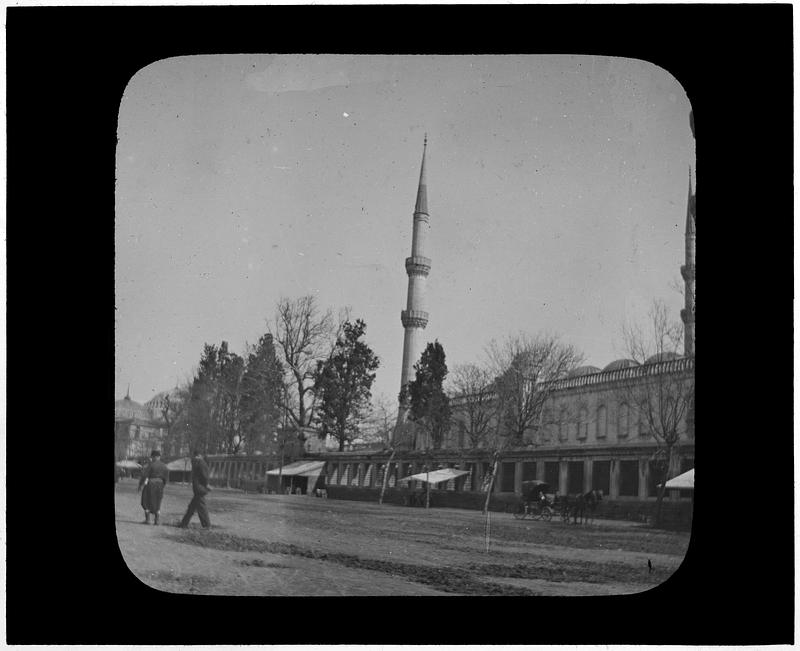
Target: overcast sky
(557, 193)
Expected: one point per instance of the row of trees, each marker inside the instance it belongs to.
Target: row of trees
(311, 369)
(308, 370)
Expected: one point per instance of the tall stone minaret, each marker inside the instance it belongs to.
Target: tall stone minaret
(415, 316)
(687, 271)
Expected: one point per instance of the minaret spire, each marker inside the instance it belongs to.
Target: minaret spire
(415, 317)
(128, 392)
(422, 190)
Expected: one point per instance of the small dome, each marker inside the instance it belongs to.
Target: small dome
(661, 357)
(157, 402)
(127, 408)
(583, 370)
(621, 363)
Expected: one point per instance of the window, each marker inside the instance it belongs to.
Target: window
(547, 425)
(575, 477)
(644, 428)
(583, 423)
(601, 476)
(563, 423)
(507, 479)
(623, 421)
(602, 422)
(551, 474)
(528, 470)
(629, 478)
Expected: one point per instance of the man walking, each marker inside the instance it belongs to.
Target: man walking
(153, 479)
(200, 488)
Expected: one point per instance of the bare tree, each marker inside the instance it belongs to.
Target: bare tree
(661, 390)
(525, 370)
(173, 408)
(381, 420)
(304, 334)
(473, 399)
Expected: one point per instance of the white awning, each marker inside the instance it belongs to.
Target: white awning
(302, 468)
(684, 481)
(184, 464)
(437, 476)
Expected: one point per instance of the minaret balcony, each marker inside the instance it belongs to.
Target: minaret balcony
(418, 265)
(687, 271)
(414, 318)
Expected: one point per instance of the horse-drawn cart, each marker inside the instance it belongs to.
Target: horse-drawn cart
(534, 502)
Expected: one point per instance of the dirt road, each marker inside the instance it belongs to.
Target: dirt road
(285, 545)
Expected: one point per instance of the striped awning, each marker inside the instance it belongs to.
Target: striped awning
(302, 468)
(437, 476)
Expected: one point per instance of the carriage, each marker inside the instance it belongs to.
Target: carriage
(538, 503)
(534, 502)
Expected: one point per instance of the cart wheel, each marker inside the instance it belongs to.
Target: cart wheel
(547, 514)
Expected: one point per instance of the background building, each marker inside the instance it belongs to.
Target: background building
(136, 430)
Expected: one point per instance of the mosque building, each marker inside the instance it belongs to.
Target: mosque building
(137, 429)
(591, 434)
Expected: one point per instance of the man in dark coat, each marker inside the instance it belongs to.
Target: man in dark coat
(153, 479)
(200, 489)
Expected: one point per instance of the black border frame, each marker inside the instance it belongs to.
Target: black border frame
(66, 70)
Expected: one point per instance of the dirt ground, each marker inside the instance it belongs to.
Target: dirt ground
(284, 545)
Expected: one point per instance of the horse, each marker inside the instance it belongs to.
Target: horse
(585, 505)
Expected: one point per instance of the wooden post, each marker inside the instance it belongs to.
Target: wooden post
(491, 482)
(428, 485)
(386, 476)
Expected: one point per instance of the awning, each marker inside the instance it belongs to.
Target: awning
(684, 481)
(128, 464)
(184, 464)
(301, 468)
(437, 476)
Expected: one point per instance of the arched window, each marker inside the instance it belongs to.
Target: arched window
(583, 423)
(547, 424)
(602, 422)
(563, 424)
(644, 427)
(623, 420)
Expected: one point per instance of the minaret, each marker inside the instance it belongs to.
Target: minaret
(687, 271)
(415, 316)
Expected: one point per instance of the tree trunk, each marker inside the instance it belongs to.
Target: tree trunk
(386, 476)
(280, 475)
(491, 483)
(663, 489)
(427, 486)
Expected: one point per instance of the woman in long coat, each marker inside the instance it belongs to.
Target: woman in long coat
(152, 483)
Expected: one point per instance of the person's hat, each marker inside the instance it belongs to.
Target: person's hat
(155, 453)
(195, 453)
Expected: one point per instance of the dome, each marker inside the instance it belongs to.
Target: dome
(621, 363)
(127, 408)
(157, 402)
(583, 370)
(661, 357)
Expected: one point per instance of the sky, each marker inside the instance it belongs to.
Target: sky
(557, 191)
